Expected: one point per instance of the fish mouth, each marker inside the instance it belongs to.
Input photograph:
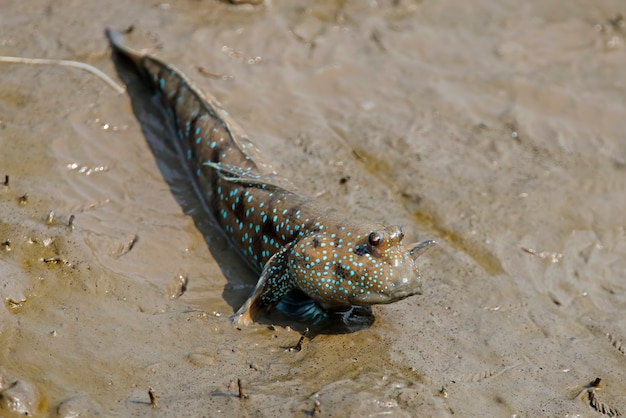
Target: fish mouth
(420, 248)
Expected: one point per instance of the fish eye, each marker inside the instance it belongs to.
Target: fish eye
(375, 238)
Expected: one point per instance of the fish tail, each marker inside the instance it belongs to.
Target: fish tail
(118, 45)
(204, 128)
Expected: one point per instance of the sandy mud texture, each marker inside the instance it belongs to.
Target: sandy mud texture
(496, 128)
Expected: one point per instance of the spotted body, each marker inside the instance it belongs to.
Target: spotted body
(309, 257)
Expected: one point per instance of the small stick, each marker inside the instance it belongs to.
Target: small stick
(298, 346)
(317, 408)
(154, 402)
(207, 73)
(50, 218)
(70, 222)
(301, 340)
(242, 395)
(6, 180)
(75, 64)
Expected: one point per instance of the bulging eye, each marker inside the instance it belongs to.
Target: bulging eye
(375, 238)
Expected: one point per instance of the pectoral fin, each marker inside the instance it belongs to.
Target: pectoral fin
(274, 283)
(302, 308)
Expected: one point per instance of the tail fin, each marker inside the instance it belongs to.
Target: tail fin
(119, 47)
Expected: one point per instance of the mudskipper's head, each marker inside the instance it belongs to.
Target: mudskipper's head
(391, 272)
(365, 269)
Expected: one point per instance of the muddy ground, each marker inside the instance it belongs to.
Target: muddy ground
(496, 128)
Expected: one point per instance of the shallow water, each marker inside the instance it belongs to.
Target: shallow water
(496, 129)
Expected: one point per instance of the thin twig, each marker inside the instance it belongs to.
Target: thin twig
(75, 64)
(241, 393)
(154, 401)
